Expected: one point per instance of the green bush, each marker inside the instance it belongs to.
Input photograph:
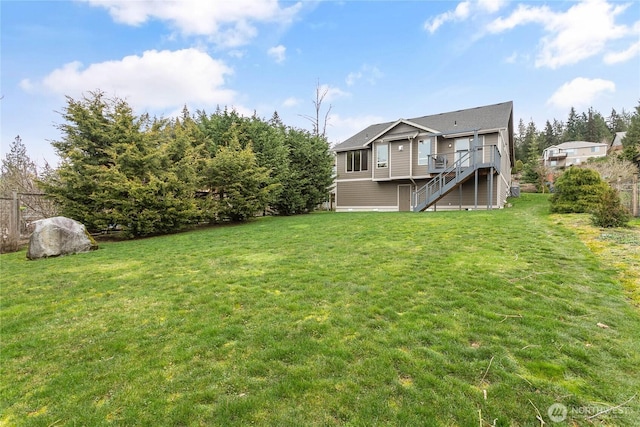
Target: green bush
(610, 212)
(578, 190)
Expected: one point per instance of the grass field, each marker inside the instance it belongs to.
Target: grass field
(446, 318)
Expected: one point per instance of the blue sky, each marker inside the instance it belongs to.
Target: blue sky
(377, 60)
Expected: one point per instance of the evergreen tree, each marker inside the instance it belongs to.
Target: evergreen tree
(532, 166)
(21, 174)
(549, 136)
(18, 172)
(240, 188)
(558, 130)
(531, 140)
(578, 190)
(616, 122)
(596, 128)
(575, 127)
(309, 177)
(631, 141)
(519, 141)
(119, 170)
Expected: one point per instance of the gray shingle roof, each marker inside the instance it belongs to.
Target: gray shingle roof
(486, 117)
(617, 140)
(577, 144)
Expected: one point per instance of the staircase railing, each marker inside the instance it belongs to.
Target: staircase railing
(454, 175)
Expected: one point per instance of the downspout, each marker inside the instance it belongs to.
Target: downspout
(415, 186)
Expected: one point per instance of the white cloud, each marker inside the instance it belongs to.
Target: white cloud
(157, 80)
(460, 13)
(370, 74)
(580, 92)
(491, 6)
(291, 102)
(341, 128)
(623, 56)
(237, 53)
(331, 93)
(353, 77)
(463, 11)
(572, 36)
(278, 53)
(517, 58)
(524, 14)
(228, 23)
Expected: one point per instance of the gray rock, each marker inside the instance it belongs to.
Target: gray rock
(59, 236)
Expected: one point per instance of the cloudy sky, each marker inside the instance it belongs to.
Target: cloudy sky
(378, 60)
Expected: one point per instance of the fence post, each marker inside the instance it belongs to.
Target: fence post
(14, 221)
(634, 195)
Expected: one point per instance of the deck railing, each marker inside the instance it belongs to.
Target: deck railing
(449, 177)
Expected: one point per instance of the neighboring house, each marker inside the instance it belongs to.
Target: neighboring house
(616, 144)
(456, 160)
(572, 153)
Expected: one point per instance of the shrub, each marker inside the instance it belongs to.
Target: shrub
(610, 212)
(578, 190)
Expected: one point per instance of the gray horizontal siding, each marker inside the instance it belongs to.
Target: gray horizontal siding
(399, 160)
(341, 167)
(366, 193)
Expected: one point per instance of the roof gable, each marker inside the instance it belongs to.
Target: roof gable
(397, 131)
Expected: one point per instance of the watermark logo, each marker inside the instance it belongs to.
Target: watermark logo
(557, 412)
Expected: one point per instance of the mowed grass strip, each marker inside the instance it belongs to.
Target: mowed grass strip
(440, 318)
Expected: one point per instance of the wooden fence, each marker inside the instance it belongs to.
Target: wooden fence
(18, 211)
(629, 195)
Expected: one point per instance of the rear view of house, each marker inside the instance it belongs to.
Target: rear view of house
(455, 160)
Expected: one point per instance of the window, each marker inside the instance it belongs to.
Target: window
(357, 161)
(382, 154)
(595, 149)
(424, 151)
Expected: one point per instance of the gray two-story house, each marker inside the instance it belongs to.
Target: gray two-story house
(456, 160)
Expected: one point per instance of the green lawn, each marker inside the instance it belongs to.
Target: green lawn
(445, 318)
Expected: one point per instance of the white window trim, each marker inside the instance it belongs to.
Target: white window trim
(386, 164)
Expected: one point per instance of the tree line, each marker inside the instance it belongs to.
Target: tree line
(588, 126)
(144, 175)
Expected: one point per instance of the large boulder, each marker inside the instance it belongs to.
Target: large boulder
(59, 236)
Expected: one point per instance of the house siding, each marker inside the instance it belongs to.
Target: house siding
(416, 169)
(379, 173)
(366, 195)
(575, 154)
(399, 160)
(341, 167)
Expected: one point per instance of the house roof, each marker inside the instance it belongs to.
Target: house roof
(488, 117)
(617, 140)
(576, 144)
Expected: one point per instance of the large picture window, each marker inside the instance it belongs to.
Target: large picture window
(357, 161)
(382, 156)
(424, 151)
